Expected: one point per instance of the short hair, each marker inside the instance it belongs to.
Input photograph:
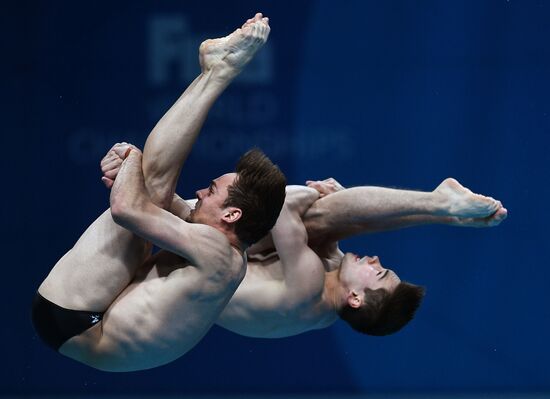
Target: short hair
(259, 191)
(384, 312)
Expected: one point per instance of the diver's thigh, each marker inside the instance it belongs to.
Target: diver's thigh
(99, 266)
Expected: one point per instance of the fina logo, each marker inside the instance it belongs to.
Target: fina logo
(173, 54)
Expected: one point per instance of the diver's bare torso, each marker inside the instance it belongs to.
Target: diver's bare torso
(259, 307)
(150, 333)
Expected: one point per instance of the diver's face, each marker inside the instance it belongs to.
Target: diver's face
(209, 207)
(367, 272)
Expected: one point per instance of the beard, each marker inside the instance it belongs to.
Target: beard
(191, 218)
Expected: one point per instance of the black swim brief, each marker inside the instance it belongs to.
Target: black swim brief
(55, 325)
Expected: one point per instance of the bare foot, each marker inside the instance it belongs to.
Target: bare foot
(489, 221)
(231, 53)
(462, 203)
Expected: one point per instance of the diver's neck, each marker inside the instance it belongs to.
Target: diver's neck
(332, 291)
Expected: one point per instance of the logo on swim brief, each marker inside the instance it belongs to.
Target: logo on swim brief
(95, 318)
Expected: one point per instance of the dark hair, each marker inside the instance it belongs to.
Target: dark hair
(384, 312)
(259, 191)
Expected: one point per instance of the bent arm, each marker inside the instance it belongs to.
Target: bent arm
(132, 208)
(302, 269)
(110, 166)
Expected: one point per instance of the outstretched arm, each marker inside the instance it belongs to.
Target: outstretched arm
(342, 213)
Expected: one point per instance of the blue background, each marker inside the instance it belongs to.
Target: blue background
(397, 94)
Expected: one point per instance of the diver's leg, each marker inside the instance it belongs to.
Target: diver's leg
(97, 268)
(357, 210)
(170, 142)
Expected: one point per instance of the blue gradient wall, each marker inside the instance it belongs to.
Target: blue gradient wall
(388, 93)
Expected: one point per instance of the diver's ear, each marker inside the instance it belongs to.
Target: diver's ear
(354, 300)
(231, 214)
